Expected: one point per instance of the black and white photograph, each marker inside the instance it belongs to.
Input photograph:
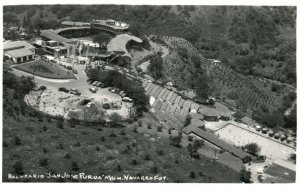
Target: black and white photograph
(102, 92)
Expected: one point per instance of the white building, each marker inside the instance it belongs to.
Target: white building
(19, 51)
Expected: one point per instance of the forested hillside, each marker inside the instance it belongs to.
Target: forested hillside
(251, 43)
(259, 41)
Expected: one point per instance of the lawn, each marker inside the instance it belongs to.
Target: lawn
(45, 69)
(95, 155)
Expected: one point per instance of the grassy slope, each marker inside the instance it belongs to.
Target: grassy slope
(45, 69)
(41, 139)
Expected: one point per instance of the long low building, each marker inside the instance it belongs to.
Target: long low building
(217, 142)
(19, 51)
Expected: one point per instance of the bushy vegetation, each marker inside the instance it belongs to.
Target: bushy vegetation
(155, 67)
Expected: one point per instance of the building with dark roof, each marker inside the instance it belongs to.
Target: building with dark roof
(209, 114)
(217, 142)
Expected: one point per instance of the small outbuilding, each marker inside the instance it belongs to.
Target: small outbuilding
(209, 114)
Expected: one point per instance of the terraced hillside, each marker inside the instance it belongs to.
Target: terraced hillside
(223, 79)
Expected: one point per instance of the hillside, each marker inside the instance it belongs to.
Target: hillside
(253, 43)
(262, 99)
(258, 41)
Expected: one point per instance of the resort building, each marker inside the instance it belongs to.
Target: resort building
(209, 114)
(110, 25)
(18, 51)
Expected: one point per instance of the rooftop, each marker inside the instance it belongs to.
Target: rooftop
(112, 23)
(52, 35)
(19, 52)
(197, 122)
(69, 28)
(216, 141)
(119, 43)
(17, 44)
(196, 116)
(209, 111)
(73, 23)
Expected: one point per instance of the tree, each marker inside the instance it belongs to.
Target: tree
(238, 115)
(193, 148)
(155, 67)
(10, 18)
(17, 140)
(192, 174)
(202, 86)
(187, 120)
(75, 166)
(252, 148)
(292, 157)
(176, 140)
(245, 176)
(115, 118)
(43, 162)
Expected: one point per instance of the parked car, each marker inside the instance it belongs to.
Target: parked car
(99, 84)
(74, 91)
(127, 99)
(112, 90)
(90, 104)
(63, 89)
(93, 90)
(94, 83)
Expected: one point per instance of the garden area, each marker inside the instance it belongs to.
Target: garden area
(45, 69)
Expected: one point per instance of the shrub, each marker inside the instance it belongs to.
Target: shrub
(245, 176)
(192, 174)
(17, 140)
(134, 162)
(45, 128)
(252, 148)
(67, 155)
(43, 162)
(159, 128)
(154, 169)
(190, 138)
(18, 168)
(160, 152)
(98, 148)
(123, 132)
(119, 168)
(147, 157)
(75, 166)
